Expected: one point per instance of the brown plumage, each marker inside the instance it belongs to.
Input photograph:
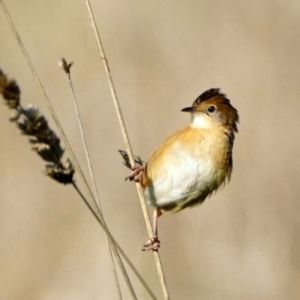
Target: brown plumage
(193, 162)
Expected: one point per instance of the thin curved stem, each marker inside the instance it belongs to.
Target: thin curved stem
(96, 193)
(128, 146)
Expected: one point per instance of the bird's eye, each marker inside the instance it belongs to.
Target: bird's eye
(211, 108)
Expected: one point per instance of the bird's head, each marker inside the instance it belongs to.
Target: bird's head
(212, 108)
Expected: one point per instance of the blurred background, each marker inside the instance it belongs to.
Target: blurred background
(242, 243)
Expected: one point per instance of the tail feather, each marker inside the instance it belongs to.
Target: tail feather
(126, 161)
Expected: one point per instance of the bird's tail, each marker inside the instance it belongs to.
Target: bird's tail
(126, 161)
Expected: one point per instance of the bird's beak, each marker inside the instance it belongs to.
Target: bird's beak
(188, 109)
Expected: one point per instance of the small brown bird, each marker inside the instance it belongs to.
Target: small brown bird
(193, 162)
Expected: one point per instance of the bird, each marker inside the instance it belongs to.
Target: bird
(191, 164)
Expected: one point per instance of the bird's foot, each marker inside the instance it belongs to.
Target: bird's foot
(135, 174)
(152, 244)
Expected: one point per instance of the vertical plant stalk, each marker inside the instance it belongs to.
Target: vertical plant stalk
(66, 67)
(69, 149)
(128, 147)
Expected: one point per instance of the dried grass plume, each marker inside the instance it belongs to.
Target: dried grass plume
(43, 139)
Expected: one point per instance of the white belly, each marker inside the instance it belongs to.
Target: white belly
(183, 177)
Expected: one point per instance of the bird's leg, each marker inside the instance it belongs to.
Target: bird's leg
(154, 243)
(136, 173)
(156, 214)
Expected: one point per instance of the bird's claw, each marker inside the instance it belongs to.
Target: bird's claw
(135, 174)
(152, 244)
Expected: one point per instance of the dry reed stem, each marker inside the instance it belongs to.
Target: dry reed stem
(66, 67)
(70, 150)
(128, 147)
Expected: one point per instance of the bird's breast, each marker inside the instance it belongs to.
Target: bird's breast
(186, 168)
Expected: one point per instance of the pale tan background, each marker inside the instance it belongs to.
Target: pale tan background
(242, 243)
